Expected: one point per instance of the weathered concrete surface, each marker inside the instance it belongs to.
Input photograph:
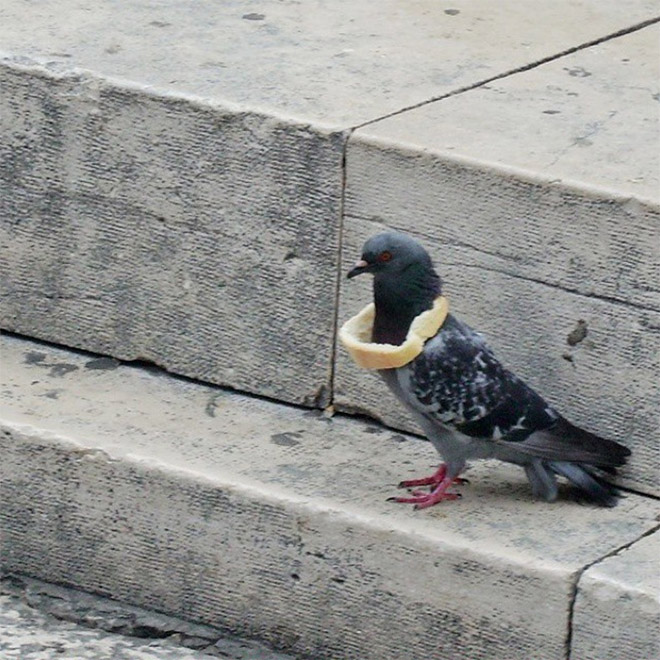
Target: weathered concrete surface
(617, 610)
(528, 253)
(341, 63)
(171, 175)
(154, 228)
(273, 521)
(40, 621)
(573, 120)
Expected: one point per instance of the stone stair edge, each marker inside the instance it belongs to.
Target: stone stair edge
(104, 457)
(581, 578)
(80, 448)
(333, 409)
(354, 136)
(298, 506)
(58, 72)
(588, 191)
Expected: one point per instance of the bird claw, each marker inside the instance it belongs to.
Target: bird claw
(423, 500)
(434, 480)
(431, 501)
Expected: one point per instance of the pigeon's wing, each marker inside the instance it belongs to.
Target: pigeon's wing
(459, 382)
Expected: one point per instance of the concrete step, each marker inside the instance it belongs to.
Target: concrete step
(41, 621)
(617, 600)
(173, 179)
(273, 521)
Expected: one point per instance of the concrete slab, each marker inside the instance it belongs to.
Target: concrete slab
(617, 609)
(571, 121)
(272, 520)
(339, 63)
(157, 229)
(528, 251)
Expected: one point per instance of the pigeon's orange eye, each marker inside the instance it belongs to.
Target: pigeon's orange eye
(384, 256)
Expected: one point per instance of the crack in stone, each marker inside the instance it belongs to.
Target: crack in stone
(521, 69)
(567, 289)
(593, 128)
(330, 399)
(578, 577)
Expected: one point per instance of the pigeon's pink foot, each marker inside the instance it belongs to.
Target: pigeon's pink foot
(423, 500)
(436, 478)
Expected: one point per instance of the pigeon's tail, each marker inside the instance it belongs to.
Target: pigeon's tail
(565, 442)
(590, 485)
(577, 455)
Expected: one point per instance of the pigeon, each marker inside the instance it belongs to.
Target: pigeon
(466, 402)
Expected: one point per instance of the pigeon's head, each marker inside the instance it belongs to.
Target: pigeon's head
(390, 253)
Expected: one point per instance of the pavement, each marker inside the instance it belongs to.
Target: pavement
(40, 621)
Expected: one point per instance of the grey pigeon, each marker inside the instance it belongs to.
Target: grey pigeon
(467, 403)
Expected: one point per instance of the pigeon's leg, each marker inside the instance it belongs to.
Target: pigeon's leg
(436, 478)
(423, 500)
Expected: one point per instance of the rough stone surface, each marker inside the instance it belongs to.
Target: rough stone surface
(526, 257)
(40, 621)
(341, 63)
(274, 522)
(617, 609)
(158, 229)
(171, 174)
(29, 635)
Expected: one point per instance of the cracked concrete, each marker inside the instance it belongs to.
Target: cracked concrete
(615, 601)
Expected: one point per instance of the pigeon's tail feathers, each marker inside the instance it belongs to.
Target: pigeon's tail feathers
(586, 481)
(542, 480)
(565, 442)
(589, 485)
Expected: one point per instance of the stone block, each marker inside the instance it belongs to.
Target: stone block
(337, 64)
(617, 608)
(156, 228)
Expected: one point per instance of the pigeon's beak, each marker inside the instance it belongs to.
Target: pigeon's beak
(360, 267)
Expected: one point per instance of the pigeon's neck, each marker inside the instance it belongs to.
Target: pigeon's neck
(399, 298)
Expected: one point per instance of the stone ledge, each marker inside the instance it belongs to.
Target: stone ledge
(272, 520)
(617, 607)
(152, 228)
(339, 65)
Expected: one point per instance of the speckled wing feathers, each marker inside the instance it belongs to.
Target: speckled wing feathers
(458, 381)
